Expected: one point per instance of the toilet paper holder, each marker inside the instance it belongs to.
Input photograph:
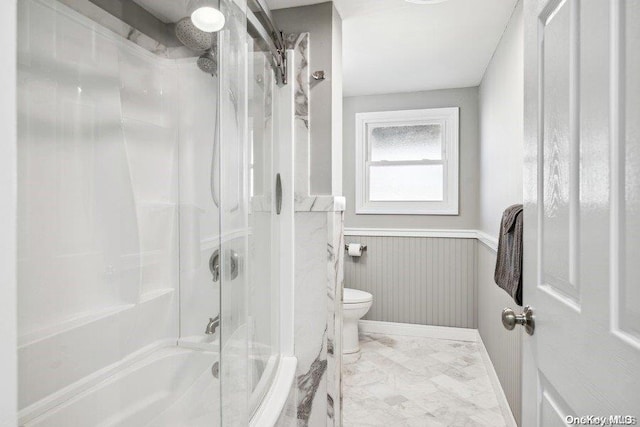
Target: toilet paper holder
(346, 247)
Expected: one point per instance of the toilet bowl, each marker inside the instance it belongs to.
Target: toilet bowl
(354, 306)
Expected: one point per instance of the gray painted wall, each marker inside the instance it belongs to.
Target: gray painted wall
(501, 166)
(467, 100)
(501, 127)
(324, 24)
(423, 280)
(336, 105)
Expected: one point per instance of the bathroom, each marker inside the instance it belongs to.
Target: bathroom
(305, 213)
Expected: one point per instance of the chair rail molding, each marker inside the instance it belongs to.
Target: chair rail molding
(488, 240)
(484, 238)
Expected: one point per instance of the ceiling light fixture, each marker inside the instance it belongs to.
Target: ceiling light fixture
(206, 15)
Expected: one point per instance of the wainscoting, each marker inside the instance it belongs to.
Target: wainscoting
(422, 280)
(504, 347)
(439, 278)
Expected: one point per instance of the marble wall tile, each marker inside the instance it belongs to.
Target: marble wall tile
(319, 273)
(311, 317)
(318, 331)
(319, 203)
(335, 286)
(299, 43)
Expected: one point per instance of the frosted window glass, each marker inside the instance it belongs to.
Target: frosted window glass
(406, 183)
(414, 142)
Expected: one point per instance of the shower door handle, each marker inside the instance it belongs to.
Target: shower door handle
(278, 194)
(214, 265)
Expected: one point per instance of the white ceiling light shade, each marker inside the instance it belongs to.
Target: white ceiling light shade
(426, 1)
(206, 15)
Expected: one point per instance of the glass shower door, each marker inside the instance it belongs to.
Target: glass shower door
(264, 237)
(249, 247)
(234, 228)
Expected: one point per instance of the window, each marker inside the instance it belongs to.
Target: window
(407, 162)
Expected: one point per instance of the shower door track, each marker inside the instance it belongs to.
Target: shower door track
(260, 25)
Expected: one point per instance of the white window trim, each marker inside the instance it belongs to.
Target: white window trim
(449, 118)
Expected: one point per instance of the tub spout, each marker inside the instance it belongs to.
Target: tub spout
(212, 325)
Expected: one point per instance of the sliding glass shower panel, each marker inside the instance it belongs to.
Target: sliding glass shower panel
(233, 197)
(264, 283)
(250, 346)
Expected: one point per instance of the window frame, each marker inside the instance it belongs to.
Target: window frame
(448, 118)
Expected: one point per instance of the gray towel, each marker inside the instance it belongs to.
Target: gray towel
(508, 274)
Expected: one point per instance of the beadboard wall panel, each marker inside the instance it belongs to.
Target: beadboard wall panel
(422, 280)
(504, 347)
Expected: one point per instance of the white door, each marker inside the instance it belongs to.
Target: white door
(582, 209)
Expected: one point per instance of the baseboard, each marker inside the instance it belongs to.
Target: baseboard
(495, 383)
(413, 330)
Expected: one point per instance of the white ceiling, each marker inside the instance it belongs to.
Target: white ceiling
(394, 46)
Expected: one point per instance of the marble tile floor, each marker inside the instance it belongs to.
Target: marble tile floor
(415, 381)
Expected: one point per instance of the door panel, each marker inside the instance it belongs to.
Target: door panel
(560, 192)
(550, 412)
(582, 204)
(628, 262)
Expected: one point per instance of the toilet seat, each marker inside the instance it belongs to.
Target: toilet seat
(355, 296)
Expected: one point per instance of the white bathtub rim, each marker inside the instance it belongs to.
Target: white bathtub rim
(74, 391)
(69, 392)
(274, 402)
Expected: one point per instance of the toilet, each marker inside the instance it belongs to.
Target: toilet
(355, 305)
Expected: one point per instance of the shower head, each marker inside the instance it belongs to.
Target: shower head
(207, 62)
(199, 41)
(192, 37)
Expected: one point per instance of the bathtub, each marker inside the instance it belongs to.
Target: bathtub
(171, 386)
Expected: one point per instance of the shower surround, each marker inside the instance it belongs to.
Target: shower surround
(98, 202)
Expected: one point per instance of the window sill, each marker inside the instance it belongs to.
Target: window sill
(370, 210)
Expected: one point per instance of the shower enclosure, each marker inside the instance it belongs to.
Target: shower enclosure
(154, 210)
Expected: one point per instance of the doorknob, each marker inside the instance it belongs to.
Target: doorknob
(510, 319)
